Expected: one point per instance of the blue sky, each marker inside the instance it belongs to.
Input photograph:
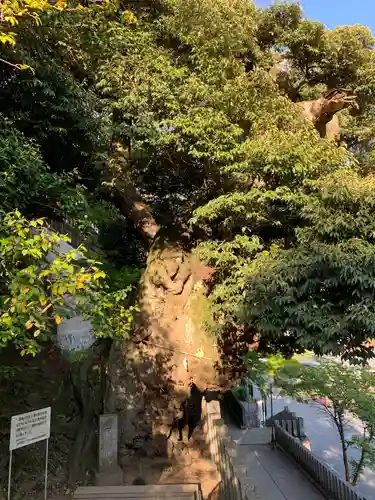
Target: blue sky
(337, 12)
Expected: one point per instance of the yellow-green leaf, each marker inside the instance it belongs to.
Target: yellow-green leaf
(8, 38)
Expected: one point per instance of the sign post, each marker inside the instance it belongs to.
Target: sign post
(10, 473)
(29, 428)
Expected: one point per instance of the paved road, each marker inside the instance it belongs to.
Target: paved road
(325, 442)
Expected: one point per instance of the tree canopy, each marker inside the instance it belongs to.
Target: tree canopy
(181, 115)
(318, 294)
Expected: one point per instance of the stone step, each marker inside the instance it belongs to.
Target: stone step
(148, 492)
(148, 496)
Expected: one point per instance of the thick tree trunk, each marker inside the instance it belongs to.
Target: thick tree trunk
(126, 198)
(118, 186)
(322, 112)
(169, 346)
(149, 373)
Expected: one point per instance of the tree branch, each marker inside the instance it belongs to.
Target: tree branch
(126, 198)
(119, 188)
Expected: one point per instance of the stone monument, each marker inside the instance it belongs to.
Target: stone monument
(110, 474)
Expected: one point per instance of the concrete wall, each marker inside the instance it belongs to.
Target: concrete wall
(230, 488)
(223, 453)
(330, 483)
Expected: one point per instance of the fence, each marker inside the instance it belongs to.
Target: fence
(218, 442)
(64, 227)
(235, 409)
(331, 484)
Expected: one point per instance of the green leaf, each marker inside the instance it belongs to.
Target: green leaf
(9, 37)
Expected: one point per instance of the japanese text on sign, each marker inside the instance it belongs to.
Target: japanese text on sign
(29, 428)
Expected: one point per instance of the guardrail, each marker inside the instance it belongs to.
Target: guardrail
(329, 481)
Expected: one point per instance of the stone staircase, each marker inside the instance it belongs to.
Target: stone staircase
(149, 492)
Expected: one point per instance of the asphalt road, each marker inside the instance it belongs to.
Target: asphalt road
(324, 438)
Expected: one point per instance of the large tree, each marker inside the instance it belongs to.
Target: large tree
(166, 124)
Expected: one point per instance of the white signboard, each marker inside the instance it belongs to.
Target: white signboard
(75, 334)
(29, 428)
(63, 247)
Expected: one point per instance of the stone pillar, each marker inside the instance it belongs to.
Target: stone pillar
(110, 474)
(300, 427)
